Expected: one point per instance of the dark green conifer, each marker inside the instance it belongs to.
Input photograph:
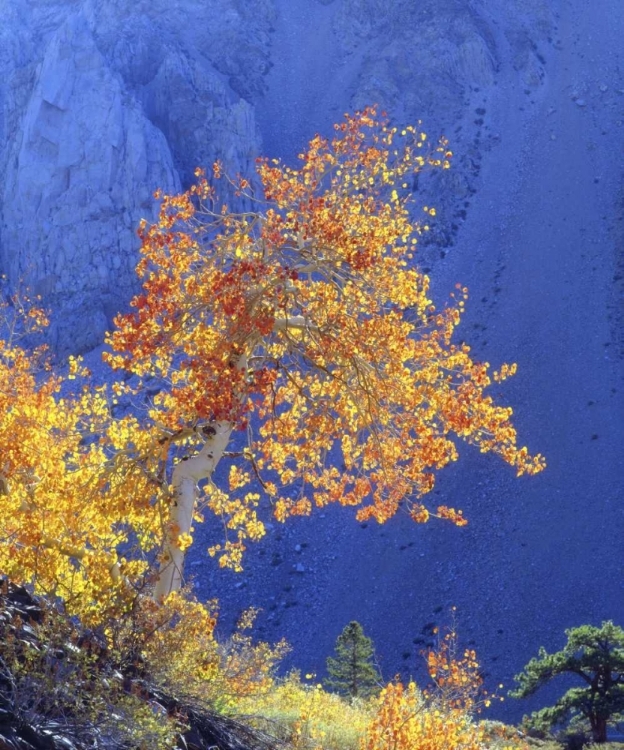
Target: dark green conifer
(352, 670)
(596, 656)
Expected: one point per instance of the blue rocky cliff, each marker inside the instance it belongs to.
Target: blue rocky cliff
(102, 103)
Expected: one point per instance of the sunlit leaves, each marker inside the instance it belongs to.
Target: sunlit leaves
(303, 325)
(440, 717)
(78, 485)
(306, 325)
(404, 720)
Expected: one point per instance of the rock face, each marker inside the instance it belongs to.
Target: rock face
(431, 60)
(434, 62)
(101, 103)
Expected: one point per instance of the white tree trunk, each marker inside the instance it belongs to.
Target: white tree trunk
(186, 475)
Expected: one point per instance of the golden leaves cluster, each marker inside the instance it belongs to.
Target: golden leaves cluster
(304, 324)
(307, 326)
(441, 717)
(404, 721)
(70, 497)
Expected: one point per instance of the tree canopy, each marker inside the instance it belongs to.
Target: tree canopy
(294, 340)
(352, 671)
(596, 656)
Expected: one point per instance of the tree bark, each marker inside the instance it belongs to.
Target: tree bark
(599, 729)
(187, 473)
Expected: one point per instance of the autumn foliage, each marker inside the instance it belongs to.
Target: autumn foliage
(305, 326)
(442, 716)
(296, 343)
(60, 497)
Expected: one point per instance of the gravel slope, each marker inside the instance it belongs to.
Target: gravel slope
(539, 251)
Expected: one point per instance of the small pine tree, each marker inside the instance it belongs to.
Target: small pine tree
(352, 671)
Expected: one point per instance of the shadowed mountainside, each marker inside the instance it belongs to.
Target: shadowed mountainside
(104, 102)
(101, 104)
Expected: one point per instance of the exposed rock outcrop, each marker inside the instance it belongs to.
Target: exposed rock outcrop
(101, 104)
(35, 632)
